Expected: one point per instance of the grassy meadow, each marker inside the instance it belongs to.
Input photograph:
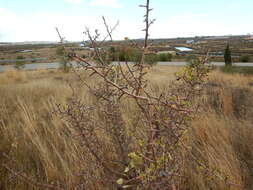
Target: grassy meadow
(40, 144)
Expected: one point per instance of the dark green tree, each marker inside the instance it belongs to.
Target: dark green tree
(227, 57)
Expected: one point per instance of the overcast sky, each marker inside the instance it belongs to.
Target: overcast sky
(35, 20)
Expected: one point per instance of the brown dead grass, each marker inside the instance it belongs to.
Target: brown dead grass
(41, 143)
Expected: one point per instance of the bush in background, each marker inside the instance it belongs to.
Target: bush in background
(20, 64)
(164, 57)
(134, 55)
(245, 59)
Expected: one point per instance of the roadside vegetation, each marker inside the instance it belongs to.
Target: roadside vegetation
(129, 54)
(245, 59)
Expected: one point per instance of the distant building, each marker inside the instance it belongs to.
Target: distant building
(216, 54)
(184, 49)
(201, 42)
(25, 51)
(217, 38)
(190, 41)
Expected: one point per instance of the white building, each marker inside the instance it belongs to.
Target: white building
(189, 41)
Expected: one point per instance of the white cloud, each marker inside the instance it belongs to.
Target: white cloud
(10, 24)
(188, 24)
(105, 3)
(74, 1)
(41, 26)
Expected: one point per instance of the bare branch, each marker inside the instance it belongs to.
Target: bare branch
(60, 36)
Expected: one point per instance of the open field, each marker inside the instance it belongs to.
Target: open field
(47, 53)
(242, 68)
(41, 143)
(240, 46)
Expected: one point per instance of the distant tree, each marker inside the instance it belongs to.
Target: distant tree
(112, 49)
(227, 56)
(127, 54)
(190, 58)
(20, 57)
(164, 57)
(151, 59)
(245, 59)
(60, 52)
(113, 54)
(20, 64)
(133, 54)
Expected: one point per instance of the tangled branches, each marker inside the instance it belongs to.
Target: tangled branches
(151, 157)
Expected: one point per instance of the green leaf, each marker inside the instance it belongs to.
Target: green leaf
(120, 181)
(126, 170)
(136, 160)
(132, 165)
(126, 186)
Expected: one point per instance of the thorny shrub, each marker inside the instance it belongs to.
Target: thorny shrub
(149, 154)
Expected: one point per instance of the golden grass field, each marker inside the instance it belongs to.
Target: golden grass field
(39, 143)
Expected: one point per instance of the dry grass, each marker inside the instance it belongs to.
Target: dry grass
(234, 80)
(37, 52)
(37, 139)
(41, 143)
